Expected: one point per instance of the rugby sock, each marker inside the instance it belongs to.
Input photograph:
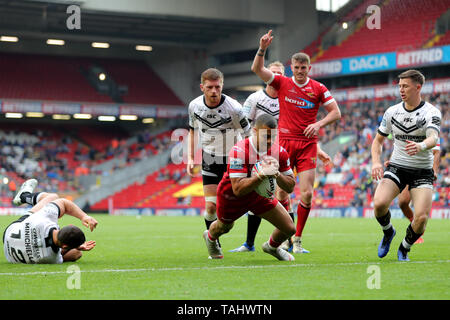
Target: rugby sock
(291, 214)
(252, 228)
(208, 223)
(409, 239)
(302, 216)
(30, 198)
(385, 223)
(211, 237)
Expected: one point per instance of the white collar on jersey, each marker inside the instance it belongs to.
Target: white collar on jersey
(254, 148)
(301, 85)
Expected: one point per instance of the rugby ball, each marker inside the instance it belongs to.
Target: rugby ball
(267, 186)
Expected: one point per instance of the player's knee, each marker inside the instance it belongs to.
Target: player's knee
(210, 208)
(225, 228)
(290, 230)
(421, 219)
(380, 205)
(307, 196)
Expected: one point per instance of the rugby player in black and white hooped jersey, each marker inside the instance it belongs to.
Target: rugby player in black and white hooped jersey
(36, 237)
(220, 122)
(415, 126)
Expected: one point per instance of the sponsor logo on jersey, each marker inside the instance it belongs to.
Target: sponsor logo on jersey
(236, 164)
(27, 240)
(310, 94)
(436, 121)
(404, 137)
(300, 103)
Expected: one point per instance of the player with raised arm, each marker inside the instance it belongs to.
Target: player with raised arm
(265, 101)
(219, 119)
(36, 237)
(300, 98)
(237, 190)
(415, 126)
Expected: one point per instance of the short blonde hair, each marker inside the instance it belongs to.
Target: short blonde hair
(277, 64)
(211, 74)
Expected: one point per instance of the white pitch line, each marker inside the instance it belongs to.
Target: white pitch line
(214, 268)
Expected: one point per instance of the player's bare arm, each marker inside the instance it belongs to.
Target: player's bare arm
(286, 182)
(190, 164)
(377, 167)
(258, 62)
(70, 208)
(71, 255)
(75, 254)
(334, 114)
(243, 186)
(431, 140)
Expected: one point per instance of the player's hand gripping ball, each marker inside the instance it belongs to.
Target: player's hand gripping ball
(267, 171)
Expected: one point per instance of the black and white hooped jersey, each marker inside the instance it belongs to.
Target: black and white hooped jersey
(31, 241)
(410, 125)
(219, 127)
(259, 103)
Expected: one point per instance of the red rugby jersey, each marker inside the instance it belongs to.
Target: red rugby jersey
(241, 159)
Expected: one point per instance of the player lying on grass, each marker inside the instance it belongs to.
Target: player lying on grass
(236, 191)
(36, 237)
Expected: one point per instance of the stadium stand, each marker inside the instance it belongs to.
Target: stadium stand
(39, 153)
(144, 85)
(405, 25)
(39, 77)
(443, 39)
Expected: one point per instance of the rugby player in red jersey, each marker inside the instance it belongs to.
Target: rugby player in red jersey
(236, 193)
(300, 98)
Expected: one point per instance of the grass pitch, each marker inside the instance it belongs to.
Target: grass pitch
(166, 258)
